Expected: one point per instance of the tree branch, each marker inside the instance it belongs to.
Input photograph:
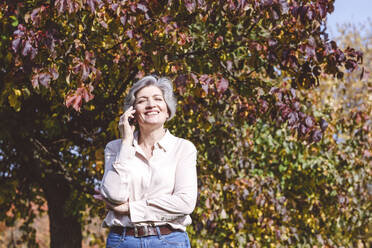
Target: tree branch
(124, 85)
(203, 52)
(52, 157)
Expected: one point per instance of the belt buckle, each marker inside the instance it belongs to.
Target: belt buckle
(137, 235)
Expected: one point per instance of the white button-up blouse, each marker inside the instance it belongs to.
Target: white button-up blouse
(161, 190)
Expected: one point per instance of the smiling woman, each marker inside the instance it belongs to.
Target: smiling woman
(149, 185)
(150, 107)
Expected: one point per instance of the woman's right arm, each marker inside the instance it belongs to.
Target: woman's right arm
(115, 185)
(118, 153)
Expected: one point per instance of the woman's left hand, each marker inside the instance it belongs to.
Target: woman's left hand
(120, 209)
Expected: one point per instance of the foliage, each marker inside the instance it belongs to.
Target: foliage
(235, 63)
(233, 45)
(270, 189)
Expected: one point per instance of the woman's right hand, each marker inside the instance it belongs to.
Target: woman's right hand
(127, 130)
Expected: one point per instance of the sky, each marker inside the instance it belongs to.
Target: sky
(349, 11)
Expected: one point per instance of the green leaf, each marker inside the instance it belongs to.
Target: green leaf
(15, 21)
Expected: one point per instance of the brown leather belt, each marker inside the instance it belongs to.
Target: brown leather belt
(142, 231)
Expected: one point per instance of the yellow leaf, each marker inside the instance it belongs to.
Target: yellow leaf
(14, 103)
(17, 92)
(167, 68)
(26, 92)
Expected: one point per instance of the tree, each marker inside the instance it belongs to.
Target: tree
(275, 190)
(235, 58)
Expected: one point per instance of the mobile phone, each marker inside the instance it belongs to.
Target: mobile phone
(132, 121)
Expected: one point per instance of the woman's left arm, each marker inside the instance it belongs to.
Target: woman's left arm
(180, 203)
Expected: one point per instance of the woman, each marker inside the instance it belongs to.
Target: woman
(150, 183)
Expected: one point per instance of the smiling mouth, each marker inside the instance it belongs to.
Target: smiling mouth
(152, 113)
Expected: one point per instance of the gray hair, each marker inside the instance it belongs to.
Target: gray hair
(163, 83)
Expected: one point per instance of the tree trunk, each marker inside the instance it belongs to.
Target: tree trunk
(65, 228)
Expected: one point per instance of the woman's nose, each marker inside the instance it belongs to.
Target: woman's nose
(150, 103)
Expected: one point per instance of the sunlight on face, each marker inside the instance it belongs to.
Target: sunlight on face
(150, 106)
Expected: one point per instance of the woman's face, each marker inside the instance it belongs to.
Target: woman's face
(150, 106)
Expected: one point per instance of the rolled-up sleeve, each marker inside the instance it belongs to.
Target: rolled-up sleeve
(171, 206)
(116, 179)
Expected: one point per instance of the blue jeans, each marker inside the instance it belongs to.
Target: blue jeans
(175, 239)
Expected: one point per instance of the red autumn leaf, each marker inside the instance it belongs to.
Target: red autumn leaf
(35, 81)
(87, 94)
(77, 67)
(85, 72)
(61, 6)
(123, 19)
(166, 19)
(129, 33)
(190, 5)
(310, 51)
(53, 71)
(205, 87)
(34, 16)
(79, 91)
(114, 6)
(15, 44)
(309, 121)
(69, 100)
(27, 48)
(180, 82)
(75, 99)
(20, 32)
(142, 7)
(222, 85)
(44, 78)
(33, 53)
(91, 4)
(72, 6)
(77, 102)
(194, 77)
(89, 57)
(229, 65)
(204, 78)
(133, 7)
(367, 154)
(182, 40)
(103, 24)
